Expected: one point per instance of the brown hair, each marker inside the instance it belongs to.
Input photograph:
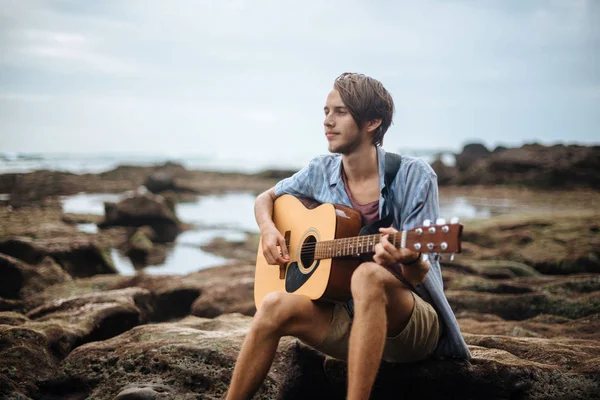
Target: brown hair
(367, 100)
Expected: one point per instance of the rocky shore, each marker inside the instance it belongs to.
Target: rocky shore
(525, 289)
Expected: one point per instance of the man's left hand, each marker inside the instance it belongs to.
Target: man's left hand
(387, 255)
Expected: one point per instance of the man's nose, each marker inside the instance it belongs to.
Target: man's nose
(328, 121)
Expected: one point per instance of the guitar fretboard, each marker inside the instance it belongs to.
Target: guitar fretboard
(352, 246)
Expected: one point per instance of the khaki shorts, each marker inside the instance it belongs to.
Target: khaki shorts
(416, 342)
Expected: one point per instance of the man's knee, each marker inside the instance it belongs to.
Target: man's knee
(368, 280)
(274, 312)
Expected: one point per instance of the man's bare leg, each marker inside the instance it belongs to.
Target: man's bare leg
(382, 306)
(280, 314)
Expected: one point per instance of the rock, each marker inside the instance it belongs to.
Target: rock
(139, 246)
(34, 187)
(571, 297)
(170, 179)
(93, 316)
(145, 392)
(25, 359)
(79, 256)
(173, 294)
(226, 289)
(535, 165)
(194, 357)
(471, 153)
(21, 280)
(32, 346)
(12, 318)
(557, 244)
(141, 210)
(543, 326)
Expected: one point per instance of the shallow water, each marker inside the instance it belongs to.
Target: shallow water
(230, 216)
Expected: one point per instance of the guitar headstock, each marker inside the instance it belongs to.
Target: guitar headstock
(440, 237)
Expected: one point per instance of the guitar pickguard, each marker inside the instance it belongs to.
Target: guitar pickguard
(294, 278)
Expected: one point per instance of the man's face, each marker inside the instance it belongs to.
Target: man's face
(342, 132)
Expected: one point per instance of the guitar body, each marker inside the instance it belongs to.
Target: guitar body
(302, 223)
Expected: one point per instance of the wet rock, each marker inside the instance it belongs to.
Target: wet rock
(21, 280)
(24, 360)
(139, 246)
(12, 318)
(173, 294)
(535, 165)
(571, 297)
(94, 316)
(226, 289)
(34, 187)
(194, 357)
(32, 346)
(79, 256)
(558, 244)
(144, 209)
(173, 179)
(543, 326)
(145, 392)
(471, 153)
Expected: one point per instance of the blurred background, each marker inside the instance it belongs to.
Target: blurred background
(135, 136)
(239, 85)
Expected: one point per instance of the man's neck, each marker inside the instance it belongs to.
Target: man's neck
(362, 164)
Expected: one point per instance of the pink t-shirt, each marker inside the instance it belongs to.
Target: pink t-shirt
(369, 212)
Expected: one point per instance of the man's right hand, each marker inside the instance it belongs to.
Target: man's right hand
(271, 239)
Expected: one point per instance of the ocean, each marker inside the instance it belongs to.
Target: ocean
(100, 162)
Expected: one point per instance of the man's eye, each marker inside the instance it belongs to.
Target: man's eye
(342, 112)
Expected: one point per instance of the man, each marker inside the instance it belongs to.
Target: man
(386, 319)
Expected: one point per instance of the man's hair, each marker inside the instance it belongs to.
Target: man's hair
(367, 100)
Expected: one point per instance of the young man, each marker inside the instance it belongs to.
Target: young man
(386, 319)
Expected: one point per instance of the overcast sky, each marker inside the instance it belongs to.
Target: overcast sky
(195, 77)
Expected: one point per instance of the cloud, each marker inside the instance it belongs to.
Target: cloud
(257, 70)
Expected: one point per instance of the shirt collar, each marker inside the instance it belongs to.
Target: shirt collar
(336, 177)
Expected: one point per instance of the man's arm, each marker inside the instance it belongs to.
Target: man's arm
(271, 237)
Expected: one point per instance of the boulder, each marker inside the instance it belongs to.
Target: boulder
(563, 243)
(572, 297)
(194, 358)
(535, 165)
(471, 153)
(208, 293)
(225, 289)
(32, 346)
(191, 358)
(79, 256)
(141, 210)
(21, 280)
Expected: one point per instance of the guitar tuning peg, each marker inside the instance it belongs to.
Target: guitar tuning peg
(454, 220)
(440, 221)
(427, 222)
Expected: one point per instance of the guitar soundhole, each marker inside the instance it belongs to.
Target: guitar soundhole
(307, 254)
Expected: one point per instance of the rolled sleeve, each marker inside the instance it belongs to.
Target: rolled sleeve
(301, 183)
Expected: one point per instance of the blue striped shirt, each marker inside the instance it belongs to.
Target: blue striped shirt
(412, 198)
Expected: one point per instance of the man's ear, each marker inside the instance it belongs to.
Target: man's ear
(373, 125)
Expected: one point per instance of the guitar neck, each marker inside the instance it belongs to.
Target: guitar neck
(353, 246)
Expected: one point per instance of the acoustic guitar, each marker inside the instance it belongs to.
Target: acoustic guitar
(327, 242)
